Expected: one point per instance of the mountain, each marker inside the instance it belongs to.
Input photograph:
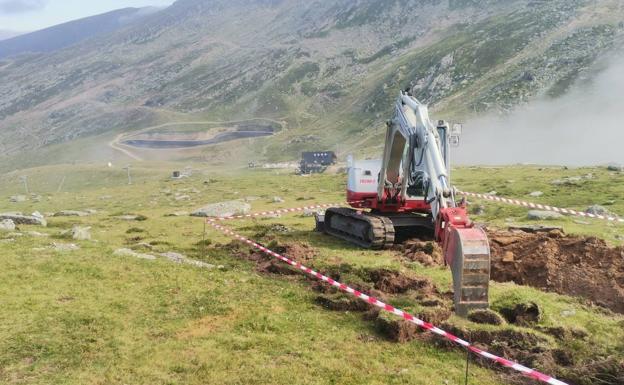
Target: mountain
(63, 35)
(328, 71)
(6, 34)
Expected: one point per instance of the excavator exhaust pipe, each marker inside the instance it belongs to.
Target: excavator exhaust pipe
(468, 255)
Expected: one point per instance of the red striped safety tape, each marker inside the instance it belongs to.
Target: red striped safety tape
(280, 211)
(517, 202)
(406, 316)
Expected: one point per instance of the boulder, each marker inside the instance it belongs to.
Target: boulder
(130, 253)
(312, 212)
(542, 215)
(71, 213)
(223, 209)
(179, 258)
(7, 225)
(598, 210)
(277, 200)
(536, 194)
(20, 219)
(81, 233)
(178, 214)
(18, 198)
(64, 247)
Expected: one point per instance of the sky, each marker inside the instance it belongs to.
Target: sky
(32, 15)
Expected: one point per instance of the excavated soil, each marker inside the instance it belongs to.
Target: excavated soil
(578, 266)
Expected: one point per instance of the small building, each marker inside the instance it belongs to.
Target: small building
(316, 161)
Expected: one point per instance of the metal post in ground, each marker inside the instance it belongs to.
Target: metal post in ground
(24, 179)
(127, 168)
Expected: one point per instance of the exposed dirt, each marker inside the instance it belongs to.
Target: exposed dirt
(549, 260)
(486, 316)
(394, 282)
(578, 266)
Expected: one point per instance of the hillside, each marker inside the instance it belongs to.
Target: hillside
(80, 311)
(327, 70)
(63, 35)
(6, 34)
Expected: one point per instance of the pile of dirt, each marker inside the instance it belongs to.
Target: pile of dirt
(549, 260)
(428, 253)
(394, 282)
(578, 266)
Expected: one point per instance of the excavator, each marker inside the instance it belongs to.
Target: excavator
(408, 194)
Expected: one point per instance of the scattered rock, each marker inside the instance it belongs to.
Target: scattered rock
(312, 212)
(223, 209)
(486, 316)
(277, 199)
(18, 198)
(7, 225)
(493, 192)
(580, 222)
(598, 210)
(37, 234)
(19, 219)
(71, 213)
(64, 247)
(178, 214)
(131, 253)
(106, 197)
(81, 233)
(536, 194)
(182, 197)
(568, 313)
(542, 215)
(131, 217)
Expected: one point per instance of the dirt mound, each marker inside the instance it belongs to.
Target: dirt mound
(486, 316)
(399, 330)
(579, 266)
(572, 265)
(393, 282)
(524, 314)
(426, 252)
(342, 303)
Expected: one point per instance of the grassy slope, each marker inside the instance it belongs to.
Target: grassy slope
(88, 317)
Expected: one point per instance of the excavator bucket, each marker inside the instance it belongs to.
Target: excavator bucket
(468, 255)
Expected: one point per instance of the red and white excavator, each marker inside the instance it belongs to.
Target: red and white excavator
(408, 194)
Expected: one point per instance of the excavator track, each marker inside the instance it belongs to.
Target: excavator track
(362, 228)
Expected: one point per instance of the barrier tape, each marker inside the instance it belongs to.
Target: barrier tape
(391, 309)
(517, 202)
(280, 211)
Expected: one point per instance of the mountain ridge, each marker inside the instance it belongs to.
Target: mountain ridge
(330, 71)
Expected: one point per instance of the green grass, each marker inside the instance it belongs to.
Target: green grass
(88, 317)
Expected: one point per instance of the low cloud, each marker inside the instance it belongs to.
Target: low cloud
(20, 6)
(584, 127)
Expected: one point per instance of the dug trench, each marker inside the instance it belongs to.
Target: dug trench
(512, 330)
